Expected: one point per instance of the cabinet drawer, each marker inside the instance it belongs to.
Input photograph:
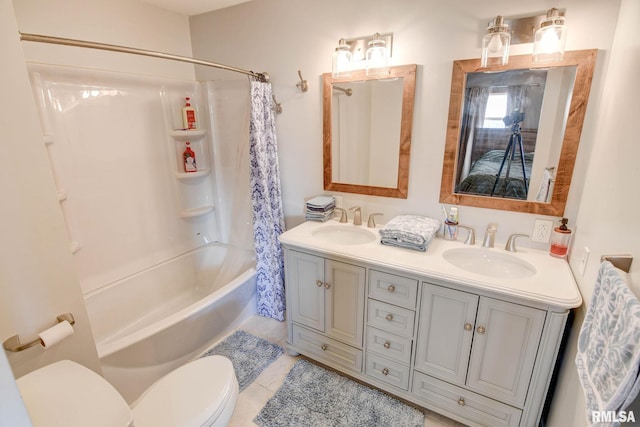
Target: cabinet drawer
(389, 345)
(391, 318)
(326, 349)
(393, 289)
(386, 370)
(476, 409)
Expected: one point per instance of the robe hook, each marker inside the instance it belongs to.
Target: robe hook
(276, 105)
(302, 84)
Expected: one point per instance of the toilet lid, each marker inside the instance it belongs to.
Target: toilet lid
(191, 396)
(66, 394)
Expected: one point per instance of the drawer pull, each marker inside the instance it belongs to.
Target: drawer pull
(324, 347)
(327, 285)
(468, 326)
(387, 344)
(391, 288)
(461, 401)
(389, 317)
(319, 283)
(481, 330)
(385, 371)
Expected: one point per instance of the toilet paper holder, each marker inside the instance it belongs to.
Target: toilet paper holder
(13, 344)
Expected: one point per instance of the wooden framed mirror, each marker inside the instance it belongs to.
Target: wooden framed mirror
(367, 122)
(513, 132)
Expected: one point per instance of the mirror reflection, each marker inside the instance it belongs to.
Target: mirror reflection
(367, 132)
(513, 132)
(512, 128)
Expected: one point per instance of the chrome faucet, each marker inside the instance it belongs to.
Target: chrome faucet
(490, 235)
(357, 216)
(343, 214)
(471, 237)
(511, 242)
(371, 223)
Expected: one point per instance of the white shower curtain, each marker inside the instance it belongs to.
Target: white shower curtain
(266, 200)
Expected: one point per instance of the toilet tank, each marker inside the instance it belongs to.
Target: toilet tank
(66, 394)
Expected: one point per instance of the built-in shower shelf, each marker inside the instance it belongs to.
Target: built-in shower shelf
(186, 134)
(191, 213)
(191, 175)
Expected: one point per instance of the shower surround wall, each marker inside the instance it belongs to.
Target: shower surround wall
(117, 165)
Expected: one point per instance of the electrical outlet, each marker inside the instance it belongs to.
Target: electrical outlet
(542, 231)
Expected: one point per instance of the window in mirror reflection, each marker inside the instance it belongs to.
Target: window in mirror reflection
(505, 151)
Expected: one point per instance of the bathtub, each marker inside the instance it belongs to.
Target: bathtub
(152, 322)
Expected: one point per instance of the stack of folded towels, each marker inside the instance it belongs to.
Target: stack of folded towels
(320, 208)
(409, 231)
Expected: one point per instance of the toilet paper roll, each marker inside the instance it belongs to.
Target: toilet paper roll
(55, 334)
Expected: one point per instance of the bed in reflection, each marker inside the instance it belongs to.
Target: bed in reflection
(482, 176)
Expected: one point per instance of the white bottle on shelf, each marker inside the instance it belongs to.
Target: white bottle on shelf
(189, 115)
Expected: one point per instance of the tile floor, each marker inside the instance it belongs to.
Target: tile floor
(254, 397)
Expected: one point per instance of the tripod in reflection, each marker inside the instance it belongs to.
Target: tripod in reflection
(510, 152)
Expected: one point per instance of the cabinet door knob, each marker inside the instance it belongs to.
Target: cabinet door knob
(468, 326)
(387, 344)
(481, 330)
(327, 285)
(461, 401)
(319, 283)
(385, 371)
(391, 288)
(389, 317)
(323, 347)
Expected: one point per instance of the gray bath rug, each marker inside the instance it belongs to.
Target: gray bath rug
(249, 355)
(313, 396)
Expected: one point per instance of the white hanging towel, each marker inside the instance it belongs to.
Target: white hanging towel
(608, 356)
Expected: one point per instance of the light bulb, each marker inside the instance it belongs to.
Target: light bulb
(342, 60)
(495, 44)
(550, 38)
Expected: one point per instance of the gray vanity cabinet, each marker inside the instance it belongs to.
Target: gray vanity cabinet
(326, 306)
(481, 344)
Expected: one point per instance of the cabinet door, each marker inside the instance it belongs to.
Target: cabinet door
(505, 345)
(305, 274)
(445, 332)
(344, 301)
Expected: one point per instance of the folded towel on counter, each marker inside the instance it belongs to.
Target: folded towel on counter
(409, 231)
(320, 208)
(608, 356)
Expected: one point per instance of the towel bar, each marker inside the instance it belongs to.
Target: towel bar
(623, 262)
(13, 344)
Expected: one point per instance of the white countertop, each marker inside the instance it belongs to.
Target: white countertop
(552, 284)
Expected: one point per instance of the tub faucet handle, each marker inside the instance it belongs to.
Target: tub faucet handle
(511, 242)
(357, 216)
(371, 223)
(343, 214)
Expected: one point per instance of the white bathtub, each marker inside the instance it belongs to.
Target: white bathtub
(154, 321)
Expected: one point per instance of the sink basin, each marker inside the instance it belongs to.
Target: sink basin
(489, 263)
(344, 235)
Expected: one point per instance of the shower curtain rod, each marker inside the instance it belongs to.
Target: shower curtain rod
(264, 77)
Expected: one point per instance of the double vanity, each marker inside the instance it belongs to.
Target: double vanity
(469, 332)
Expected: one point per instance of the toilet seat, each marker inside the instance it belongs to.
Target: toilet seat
(202, 393)
(197, 394)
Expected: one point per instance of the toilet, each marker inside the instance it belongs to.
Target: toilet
(66, 394)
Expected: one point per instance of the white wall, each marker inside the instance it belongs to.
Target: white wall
(607, 220)
(283, 36)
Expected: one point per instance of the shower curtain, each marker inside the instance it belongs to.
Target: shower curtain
(266, 201)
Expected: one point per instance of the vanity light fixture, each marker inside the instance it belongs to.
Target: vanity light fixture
(342, 60)
(377, 57)
(550, 38)
(495, 44)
